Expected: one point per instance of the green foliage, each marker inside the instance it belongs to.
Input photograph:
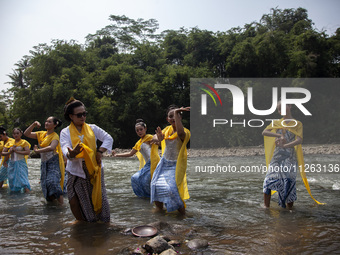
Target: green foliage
(126, 71)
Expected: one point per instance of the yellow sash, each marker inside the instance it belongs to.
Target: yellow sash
(154, 157)
(87, 140)
(2, 145)
(269, 147)
(181, 166)
(22, 143)
(45, 140)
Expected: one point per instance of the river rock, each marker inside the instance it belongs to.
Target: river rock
(174, 243)
(157, 245)
(162, 227)
(127, 232)
(169, 252)
(197, 244)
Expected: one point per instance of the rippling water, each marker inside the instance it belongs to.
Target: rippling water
(225, 208)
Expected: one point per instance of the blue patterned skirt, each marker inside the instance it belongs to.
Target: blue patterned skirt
(50, 178)
(163, 185)
(281, 177)
(140, 181)
(3, 173)
(18, 175)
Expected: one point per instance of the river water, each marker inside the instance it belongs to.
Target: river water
(224, 208)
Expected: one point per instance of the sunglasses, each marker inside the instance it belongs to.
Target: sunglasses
(79, 115)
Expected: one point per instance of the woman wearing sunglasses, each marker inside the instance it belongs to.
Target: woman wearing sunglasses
(85, 186)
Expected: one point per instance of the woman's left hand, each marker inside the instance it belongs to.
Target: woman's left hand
(35, 148)
(183, 109)
(280, 142)
(99, 158)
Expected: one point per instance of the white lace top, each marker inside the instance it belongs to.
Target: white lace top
(172, 148)
(145, 150)
(17, 156)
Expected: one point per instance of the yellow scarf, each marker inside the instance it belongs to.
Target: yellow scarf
(269, 147)
(22, 143)
(2, 146)
(154, 157)
(45, 140)
(181, 166)
(87, 140)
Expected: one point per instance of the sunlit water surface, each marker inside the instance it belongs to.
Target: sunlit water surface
(224, 208)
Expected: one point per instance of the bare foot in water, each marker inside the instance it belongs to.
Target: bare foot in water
(61, 200)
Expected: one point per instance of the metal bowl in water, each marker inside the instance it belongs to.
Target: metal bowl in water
(144, 231)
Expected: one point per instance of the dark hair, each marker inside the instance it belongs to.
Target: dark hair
(140, 122)
(2, 130)
(56, 121)
(17, 128)
(69, 107)
(170, 108)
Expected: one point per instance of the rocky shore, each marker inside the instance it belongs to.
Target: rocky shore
(308, 149)
(171, 239)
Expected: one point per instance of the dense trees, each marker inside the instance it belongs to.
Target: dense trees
(126, 71)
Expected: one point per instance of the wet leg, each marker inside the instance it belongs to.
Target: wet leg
(266, 198)
(76, 209)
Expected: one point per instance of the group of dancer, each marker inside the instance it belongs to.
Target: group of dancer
(76, 158)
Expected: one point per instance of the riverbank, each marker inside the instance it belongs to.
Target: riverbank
(308, 149)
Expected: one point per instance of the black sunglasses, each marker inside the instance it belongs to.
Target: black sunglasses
(79, 115)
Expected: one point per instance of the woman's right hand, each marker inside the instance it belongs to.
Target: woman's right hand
(37, 124)
(75, 151)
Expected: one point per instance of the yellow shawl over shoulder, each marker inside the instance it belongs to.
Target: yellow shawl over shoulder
(45, 140)
(269, 147)
(154, 157)
(22, 143)
(181, 166)
(2, 146)
(87, 140)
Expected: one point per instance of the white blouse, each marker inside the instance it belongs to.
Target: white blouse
(74, 166)
(145, 150)
(172, 148)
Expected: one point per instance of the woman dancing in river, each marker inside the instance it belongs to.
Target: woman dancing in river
(17, 164)
(52, 163)
(284, 157)
(148, 159)
(169, 183)
(4, 139)
(85, 185)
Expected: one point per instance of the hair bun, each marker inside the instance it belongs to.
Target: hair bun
(139, 120)
(70, 100)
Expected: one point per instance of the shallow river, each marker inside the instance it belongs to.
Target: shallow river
(224, 208)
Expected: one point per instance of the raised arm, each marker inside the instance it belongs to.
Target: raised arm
(28, 132)
(178, 122)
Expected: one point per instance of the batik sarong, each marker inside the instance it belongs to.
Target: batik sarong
(140, 181)
(82, 188)
(50, 178)
(282, 170)
(18, 175)
(163, 185)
